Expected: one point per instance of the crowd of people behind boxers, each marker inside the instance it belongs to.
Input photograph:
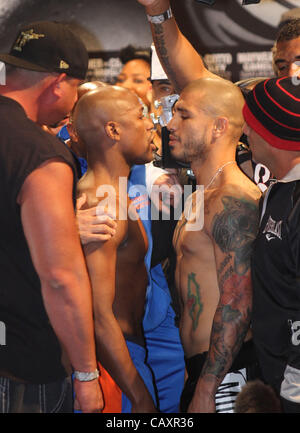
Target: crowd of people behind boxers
(94, 320)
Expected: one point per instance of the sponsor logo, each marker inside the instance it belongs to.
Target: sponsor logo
(26, 37)
(63, 65)
(273, 229)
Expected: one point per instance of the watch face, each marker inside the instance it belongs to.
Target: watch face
(160, 19)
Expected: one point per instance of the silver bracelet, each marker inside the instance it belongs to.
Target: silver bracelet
(159, 19)
(83, 376)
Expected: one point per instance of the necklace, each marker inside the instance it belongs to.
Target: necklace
(217, 174)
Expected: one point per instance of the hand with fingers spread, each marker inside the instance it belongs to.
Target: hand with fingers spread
(92, 225)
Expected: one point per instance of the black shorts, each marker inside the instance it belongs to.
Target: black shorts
(244, 368)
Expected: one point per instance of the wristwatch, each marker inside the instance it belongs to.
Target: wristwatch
(159, 19)
(83, 376)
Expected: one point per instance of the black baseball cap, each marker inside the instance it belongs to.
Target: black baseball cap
(48, 46)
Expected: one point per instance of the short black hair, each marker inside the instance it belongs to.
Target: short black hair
(289, 30)
(132, 53)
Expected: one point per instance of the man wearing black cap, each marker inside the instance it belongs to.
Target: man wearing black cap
(272, 112)
(46, 305)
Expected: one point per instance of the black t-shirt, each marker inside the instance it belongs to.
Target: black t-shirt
(276, 282)
(31, 351)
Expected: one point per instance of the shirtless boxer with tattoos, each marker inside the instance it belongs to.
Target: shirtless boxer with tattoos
(213, 261)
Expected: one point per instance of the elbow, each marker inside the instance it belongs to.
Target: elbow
(239, 316)
(58, 279)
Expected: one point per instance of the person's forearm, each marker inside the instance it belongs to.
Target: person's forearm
(178, 57)
(229, 329)
(113, 354)
(228, 333)
(230, 325)
(69, 307)
(157, 7)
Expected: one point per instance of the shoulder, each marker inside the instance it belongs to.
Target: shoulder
(17, 125)
(104, 203)
(10, 106)
(231, 196)
(232, 210)
(233, 226)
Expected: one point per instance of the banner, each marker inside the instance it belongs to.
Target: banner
(104, 66)
(234, 40)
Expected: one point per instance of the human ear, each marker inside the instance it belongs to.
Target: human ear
(72, 133)
(220, 126)
(57, 84)
(112, 130)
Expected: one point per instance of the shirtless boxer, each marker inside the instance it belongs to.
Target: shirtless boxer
(212, 272)
(111, 124)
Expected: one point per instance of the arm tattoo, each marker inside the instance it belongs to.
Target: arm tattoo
(158, 38)
(194, 303)
(234, 230)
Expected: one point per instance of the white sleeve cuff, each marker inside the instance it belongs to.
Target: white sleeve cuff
(290, 387)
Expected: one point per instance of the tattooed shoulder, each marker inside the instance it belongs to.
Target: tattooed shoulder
(234, 229)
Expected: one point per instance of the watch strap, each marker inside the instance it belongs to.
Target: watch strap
(86, 376)
(161, 18)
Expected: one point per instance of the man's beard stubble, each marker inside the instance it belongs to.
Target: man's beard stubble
(193, 151)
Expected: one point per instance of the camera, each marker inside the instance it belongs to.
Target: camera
(165, 160)
(166, 103)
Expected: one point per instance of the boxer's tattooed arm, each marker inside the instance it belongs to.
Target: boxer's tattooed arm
(233, 230)
(159, 40)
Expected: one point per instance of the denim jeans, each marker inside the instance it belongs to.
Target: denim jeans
(16, 397)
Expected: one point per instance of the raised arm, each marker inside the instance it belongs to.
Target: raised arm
(49, 225)
(233, 231)
(180, 60)
(111, 346)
